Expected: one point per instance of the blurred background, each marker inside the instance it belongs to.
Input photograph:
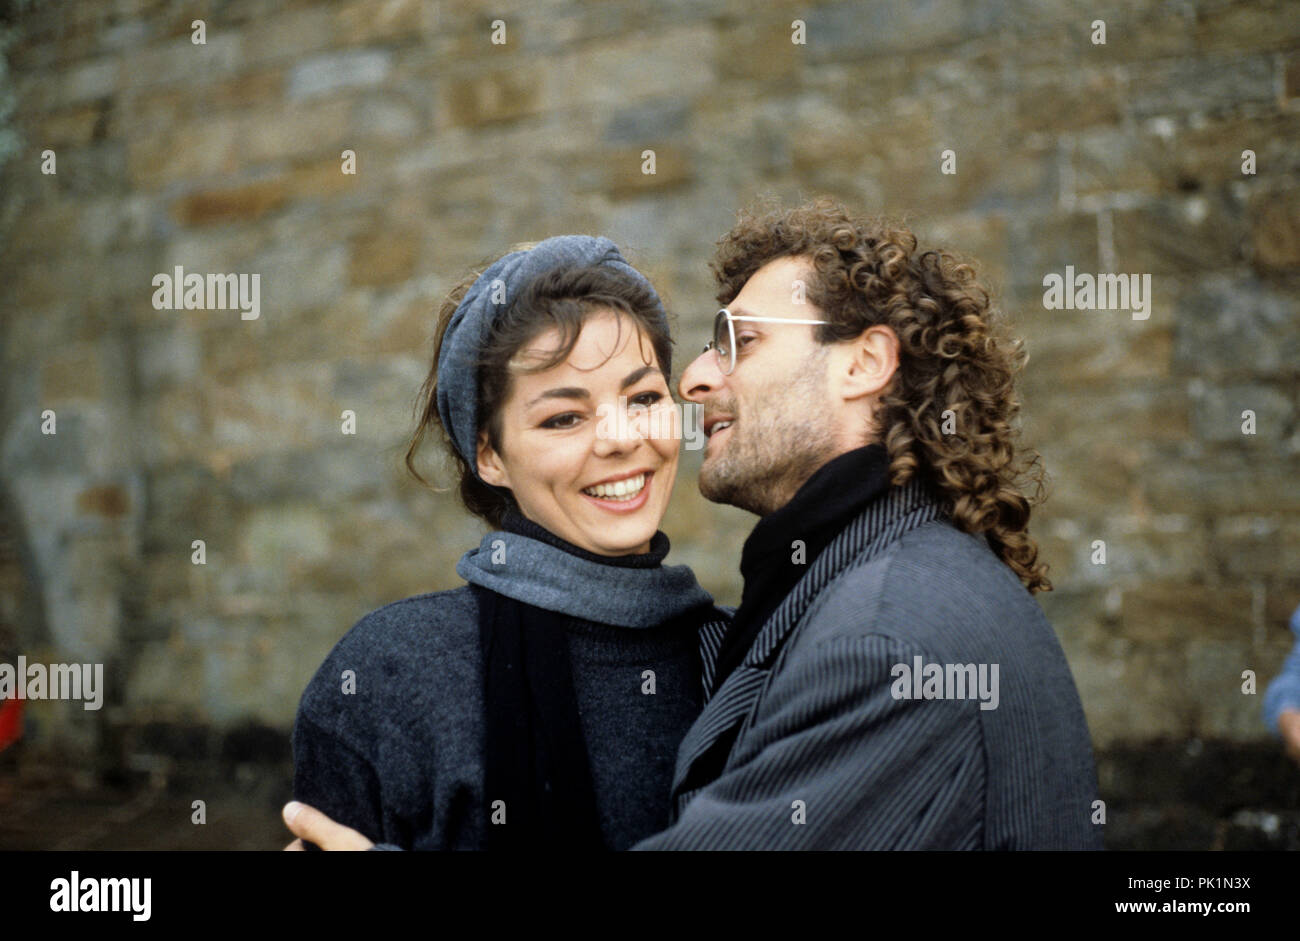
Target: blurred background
(226, 156)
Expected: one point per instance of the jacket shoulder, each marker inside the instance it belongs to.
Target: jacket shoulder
(935, 586)
(397, 655)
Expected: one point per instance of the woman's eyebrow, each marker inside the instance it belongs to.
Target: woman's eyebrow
(577, 392)
(639, 374)
(564, 392)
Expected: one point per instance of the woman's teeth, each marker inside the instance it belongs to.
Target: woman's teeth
(619, 489)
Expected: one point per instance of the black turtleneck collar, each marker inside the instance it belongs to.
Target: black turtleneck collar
(515, 522)
(771, 563)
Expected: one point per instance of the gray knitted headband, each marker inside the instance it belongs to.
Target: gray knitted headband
(471, 324)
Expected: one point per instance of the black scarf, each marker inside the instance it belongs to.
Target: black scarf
(827, 502)
(535, 757)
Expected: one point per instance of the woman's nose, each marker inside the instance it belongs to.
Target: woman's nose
(702, 378)
(617, 431)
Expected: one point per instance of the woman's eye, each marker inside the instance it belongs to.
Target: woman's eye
(567, 420)
(647, 399)
(744, 339)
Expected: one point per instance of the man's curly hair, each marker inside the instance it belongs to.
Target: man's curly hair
(954, 353)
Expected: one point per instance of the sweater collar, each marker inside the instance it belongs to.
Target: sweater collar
(835, 493)
(544, 573)
(786, 544)
(515, 522)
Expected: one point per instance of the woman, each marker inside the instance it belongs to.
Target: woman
(542, 703)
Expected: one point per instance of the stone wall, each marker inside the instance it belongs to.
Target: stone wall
(181, 425)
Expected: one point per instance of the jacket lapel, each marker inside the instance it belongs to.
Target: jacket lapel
(882, 522)
(711, 634)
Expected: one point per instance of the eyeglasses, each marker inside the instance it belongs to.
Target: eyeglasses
(723, 343)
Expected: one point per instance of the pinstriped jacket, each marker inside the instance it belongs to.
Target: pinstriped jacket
(816, 741)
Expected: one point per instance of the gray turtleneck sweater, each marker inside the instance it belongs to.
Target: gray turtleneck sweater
(389, 734)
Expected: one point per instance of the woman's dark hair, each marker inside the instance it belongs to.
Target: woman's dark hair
(561, 299)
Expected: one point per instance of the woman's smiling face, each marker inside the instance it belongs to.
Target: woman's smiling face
(572, 465)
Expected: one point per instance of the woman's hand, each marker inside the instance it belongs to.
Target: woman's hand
(308, 823)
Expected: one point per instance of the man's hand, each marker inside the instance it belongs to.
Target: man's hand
(308, 823)
(1288, 723)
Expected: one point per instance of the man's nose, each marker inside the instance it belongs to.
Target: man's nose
(701, 379)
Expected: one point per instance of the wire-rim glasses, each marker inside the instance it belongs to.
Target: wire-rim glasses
(723, 343)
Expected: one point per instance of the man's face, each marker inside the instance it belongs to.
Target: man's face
(776, 400)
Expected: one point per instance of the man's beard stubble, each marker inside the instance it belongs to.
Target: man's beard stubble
(775, 446)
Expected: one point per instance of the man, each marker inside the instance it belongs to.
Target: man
(1282, 698)
(888, 681)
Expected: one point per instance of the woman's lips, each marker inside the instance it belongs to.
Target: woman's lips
(623, 506)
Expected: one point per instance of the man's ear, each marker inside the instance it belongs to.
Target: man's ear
(490, 467)
(872, 360)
